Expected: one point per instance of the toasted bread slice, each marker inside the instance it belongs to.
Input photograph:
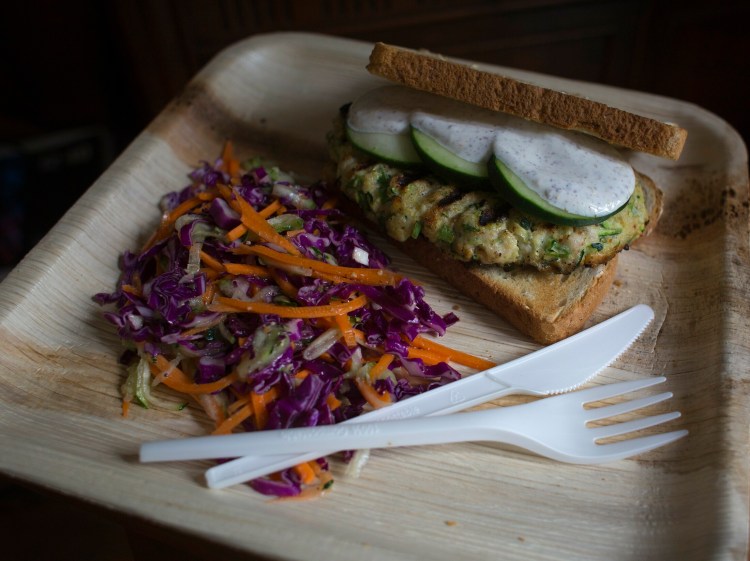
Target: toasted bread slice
(544, 305)
(465, 83)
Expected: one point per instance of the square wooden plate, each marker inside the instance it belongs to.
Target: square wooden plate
(275, 95)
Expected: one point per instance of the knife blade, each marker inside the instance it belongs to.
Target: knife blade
(557, 368)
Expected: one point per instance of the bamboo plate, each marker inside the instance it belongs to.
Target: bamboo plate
(275, 95)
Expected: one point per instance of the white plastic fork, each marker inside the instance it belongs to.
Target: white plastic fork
(555, 427)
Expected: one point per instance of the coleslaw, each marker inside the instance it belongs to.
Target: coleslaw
(258, 300)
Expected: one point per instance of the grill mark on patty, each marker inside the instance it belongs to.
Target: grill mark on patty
(452, 198)
(405, 179)
(489, 214)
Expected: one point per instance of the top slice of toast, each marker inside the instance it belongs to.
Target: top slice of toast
(438, 75)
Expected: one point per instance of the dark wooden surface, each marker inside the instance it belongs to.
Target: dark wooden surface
(38, 525)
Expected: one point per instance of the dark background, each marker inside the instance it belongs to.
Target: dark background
(79, 79)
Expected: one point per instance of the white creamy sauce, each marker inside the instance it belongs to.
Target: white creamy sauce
(572, 171)
(385, 110)
(471, 140)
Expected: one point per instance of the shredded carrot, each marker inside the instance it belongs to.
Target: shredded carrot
(236, 233)
(259, 403)
(333, 402)
(268, 211)
(287, 288)
(183, 208)
(253, 221)
(234, 419)
(239, 403)
(345, 326)
(208, 294)
(359, 274)
(212, 262)
(381, 366)
(125, 407)
(259, 410)
(333, 278)
(326, 357)
(305, 272)
(305, 472)
(302, 374)
(371, 395)
(130, 289)
(429, 357)
(211, 274)
(178, 380)
(315, 466)
(227, 194)
(360, 335)
(330, 203)
(454, 355)
(224, 304)
(325, 479)
(136, 282)
(209, 195)
(227, 154)
(169, 219)
(229, 163)
(242, 269)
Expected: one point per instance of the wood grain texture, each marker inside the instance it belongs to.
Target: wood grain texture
(275, 96)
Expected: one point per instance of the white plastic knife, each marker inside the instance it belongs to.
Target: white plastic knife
(558, 368)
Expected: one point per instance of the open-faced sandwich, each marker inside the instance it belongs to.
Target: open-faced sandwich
(517, 195)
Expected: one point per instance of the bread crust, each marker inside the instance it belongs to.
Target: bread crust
(452, 79)
(654, 204)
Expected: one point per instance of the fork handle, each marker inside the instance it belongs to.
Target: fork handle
(463, 427)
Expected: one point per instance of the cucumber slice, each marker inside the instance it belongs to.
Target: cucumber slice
(517, 193)
(393, 149)
(444, 163)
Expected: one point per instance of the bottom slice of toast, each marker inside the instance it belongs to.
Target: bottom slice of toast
(544, 305)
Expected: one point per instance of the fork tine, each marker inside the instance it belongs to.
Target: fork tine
(634, 425)
(626, 406)
(612, 390)
(633, 447)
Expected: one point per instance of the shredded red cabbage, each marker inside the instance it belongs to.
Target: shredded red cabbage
(159, 307)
